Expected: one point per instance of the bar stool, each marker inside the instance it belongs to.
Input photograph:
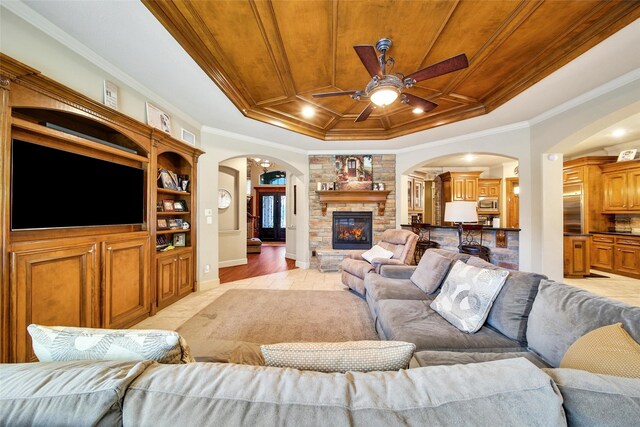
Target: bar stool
(468, 242)
(423, 231)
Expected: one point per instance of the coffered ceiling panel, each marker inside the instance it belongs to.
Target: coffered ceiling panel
(270, 57)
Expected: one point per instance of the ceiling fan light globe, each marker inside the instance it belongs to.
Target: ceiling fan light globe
(384, 96)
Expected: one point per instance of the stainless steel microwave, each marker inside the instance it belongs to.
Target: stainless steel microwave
(488, 204)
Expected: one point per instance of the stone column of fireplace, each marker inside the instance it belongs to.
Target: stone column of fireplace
(322, 169)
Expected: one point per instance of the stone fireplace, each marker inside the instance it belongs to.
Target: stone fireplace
(352, 230)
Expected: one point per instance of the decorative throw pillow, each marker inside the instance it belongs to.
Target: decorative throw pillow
(360, 356)
(62, 343)
(431, 271)
(608, 350)
(377, 252)
(467, 295)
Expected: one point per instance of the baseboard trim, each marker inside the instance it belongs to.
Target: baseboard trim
(232, 262)
(303, 264)
(290, 255)
(208, 285)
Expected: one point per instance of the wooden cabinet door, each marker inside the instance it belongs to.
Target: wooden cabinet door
(627, 259)
(602, 256)
(615, 191)
(577, 260)
(125, 282)
(458, 189)
(54, 287)
(166, 272)
(494, 190)
(633, 190)
(572, 175)
(471, 190)
(185, 273)
(483, 190)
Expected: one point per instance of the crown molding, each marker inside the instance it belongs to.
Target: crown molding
(610, 86)
(34, 18)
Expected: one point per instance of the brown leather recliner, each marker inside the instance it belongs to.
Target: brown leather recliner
(401, 242)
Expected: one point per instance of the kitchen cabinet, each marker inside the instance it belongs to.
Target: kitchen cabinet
(619, 254)
(621, 187)
(460, 186)
(577, 259)
(489, 187)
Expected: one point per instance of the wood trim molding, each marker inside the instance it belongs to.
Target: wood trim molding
(354, 196)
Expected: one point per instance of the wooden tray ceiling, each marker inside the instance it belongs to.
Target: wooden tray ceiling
(268, 57)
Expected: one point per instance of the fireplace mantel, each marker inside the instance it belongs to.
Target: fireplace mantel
(354, 196)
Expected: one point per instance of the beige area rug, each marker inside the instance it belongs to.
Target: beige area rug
(232, 327)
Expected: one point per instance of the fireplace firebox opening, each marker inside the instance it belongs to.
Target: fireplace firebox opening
(352, 230)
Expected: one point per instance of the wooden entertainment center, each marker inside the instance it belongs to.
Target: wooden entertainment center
(105, 276)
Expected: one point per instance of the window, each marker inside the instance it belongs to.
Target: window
(273, 177)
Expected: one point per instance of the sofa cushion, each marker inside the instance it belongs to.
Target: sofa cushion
(65, 343)
(381, 288)
(234, 395)
(608, 350)
(561, 314)
(414, 321)
(376, 252)
(360, 356)
(65, 393)
(439, 358)
(510, 311)
(456, 256)
(358, 268)
(431, 272)
(467, 295)
(597, 400)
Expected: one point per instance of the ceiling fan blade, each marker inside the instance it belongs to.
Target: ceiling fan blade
(365, 113)
(418, 102)
(342, 92)
(369, 59)
(450, 65)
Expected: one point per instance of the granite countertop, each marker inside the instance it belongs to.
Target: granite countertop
(485, 228)
(615, 233)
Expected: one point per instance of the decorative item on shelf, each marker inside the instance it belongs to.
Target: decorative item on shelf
(158, 119)
(173, 223)
(110, 95)
(224, 199)
(331, 186)
(185, 225)
(161, 242)
(167, 205)
(159, 206)
(162, 224)
(627, 155)
(184, 182)
(165, 180)
(179, 239)
(179, 222)
(179, 205)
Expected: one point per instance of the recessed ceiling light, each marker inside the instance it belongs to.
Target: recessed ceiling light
(617, 133)
(469, 157)
(418, 110)
(308, 111)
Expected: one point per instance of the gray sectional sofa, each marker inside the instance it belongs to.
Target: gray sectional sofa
(531, 317)
(492, 377)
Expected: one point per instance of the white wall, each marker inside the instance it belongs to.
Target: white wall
(232, 223)
(27, 44)
(220, 146)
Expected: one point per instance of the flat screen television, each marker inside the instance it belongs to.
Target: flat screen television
(52, 188)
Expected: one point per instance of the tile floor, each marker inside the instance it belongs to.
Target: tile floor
(616, 287)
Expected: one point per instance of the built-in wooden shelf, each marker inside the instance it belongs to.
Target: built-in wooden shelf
(173, 230)
(354, 196)
(167, 191)
(173, 213)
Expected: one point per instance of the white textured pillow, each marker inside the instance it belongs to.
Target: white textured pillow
(64, 343)
(359, 356)
(467, 295)
(376, 252)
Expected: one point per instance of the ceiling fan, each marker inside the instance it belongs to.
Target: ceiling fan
(384, 89)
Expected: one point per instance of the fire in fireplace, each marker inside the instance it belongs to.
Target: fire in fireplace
(352, 230)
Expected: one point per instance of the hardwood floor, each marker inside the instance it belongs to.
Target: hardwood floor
(270, 260)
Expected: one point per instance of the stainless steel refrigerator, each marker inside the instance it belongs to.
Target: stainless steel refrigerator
(573, 208)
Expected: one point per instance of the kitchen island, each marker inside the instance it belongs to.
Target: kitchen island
(503, 243)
